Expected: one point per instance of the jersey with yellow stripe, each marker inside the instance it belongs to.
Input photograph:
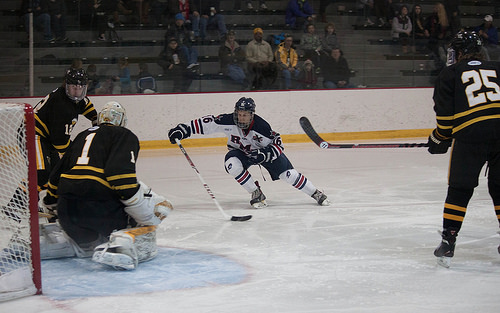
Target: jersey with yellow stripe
(56, 115)
(98, 165)
(467, 101)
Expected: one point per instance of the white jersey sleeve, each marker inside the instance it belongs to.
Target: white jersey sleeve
(258, 136)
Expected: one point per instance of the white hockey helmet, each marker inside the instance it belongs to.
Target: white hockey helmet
(112, 113)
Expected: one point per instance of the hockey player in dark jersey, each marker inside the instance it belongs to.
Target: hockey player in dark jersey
(55, 117)
(467, 106)
(250, 141)
(98, 196)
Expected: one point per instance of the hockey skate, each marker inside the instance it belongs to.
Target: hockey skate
(258, 200)
(446, 249)
(321, 198)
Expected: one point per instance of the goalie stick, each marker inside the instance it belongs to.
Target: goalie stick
(227, 216)
(309, 130)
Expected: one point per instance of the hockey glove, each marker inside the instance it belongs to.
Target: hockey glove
(180, 132)
(260, 156)
(438, 146)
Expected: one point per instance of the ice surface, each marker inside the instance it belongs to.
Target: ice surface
(371, 251)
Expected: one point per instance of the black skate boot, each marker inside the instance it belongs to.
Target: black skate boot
(258, 200)
(321, 198)
(446, 248)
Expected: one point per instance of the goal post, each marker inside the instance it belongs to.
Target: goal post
(20, 267)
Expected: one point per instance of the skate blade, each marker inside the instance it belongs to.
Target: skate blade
(444, 261)
(326, 203)
(260, 205)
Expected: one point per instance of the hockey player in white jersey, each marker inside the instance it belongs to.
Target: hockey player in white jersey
(251, 141)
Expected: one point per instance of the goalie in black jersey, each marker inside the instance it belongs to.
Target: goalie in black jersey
(55, 117)
(251, 141)
(98, 196)
(467, 106)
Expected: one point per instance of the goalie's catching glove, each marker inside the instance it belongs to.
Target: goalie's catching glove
(147, 207)
(437, 143)
(180, 132)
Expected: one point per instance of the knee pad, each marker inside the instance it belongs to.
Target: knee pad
(234, 167)
(291, 176)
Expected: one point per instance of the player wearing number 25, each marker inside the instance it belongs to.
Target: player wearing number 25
(55, 117)
(251, 141)
(98, 197)
(467, 105)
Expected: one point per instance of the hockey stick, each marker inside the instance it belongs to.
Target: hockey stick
(227, 216)
(309, 130)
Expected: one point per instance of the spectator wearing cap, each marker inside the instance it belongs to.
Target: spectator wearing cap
(489, 34)
(189, 10)
(180, 31)
(260, 61)
(232, 56)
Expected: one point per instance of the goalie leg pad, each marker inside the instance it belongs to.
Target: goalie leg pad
(54, 243)
(127, 248)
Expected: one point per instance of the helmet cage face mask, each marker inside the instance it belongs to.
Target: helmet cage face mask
(72, 92)
(112, 113)
(244, 104)
(76, 80)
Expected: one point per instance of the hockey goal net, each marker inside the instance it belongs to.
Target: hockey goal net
(20, 273)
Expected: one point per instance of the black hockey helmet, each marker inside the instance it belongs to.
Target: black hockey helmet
(244, 104)
(76, 76)
(464, 43)
(76, 83)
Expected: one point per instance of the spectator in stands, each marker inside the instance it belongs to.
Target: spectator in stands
(145, 83)
(310, 44)
(232, 56)
(182, 33)
(41, 17)
(366, 6)
(93, 83)
(210, 16)
(401, 28)
(174, 62)
(189, 10)
(141, 9)
(323, 4)
(57, 11)
(260, 61)
(437, 33)
(158, 12)
(262, 4)
(489, 35)
(453, 11)
(418, 28)
(329, 40)
(336, 72)
(123, 78)
(287, 60)
(383, 10)
(299, 13)
(102, 10)
(307, 77)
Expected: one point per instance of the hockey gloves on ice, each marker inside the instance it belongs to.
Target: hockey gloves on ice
(180, 132)
(436, 143)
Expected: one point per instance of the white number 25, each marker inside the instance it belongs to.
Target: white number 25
(480, 79)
